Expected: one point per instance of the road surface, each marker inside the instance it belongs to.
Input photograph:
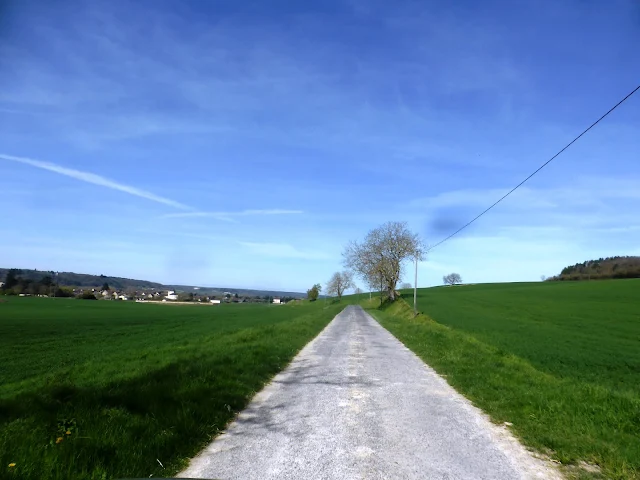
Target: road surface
(357, 404)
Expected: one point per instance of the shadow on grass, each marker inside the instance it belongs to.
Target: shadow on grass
(123, 427)
(147, 425)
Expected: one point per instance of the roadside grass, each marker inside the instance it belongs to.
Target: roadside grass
(560, 361)
(98, 390)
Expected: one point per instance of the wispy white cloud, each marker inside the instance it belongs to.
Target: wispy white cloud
(94, 179)
(586, 193)
(494, 258)
(230, 216)
(222, 216)
(535, 231)
(274, 211)
(283, 250)
(180, 233)
(480, 198)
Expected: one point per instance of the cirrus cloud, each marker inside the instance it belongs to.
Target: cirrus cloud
(94, 179)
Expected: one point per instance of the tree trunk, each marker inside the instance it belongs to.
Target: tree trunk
(391, 294)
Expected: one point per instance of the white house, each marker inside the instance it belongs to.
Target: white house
(171, 295)
(123, 297)
(276, 300)
(215, 301)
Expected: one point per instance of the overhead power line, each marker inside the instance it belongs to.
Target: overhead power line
(536, 171)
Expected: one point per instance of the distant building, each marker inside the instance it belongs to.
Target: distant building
(215, 301)
(171, 295)
(276, 300)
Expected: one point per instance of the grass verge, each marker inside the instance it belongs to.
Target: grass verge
(582, 420)
(98, 390)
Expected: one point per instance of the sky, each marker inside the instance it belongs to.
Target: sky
(243, 144)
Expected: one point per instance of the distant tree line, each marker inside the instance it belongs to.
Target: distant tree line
(15, 283)
(70, 279)
(83, 281)
(601, 269)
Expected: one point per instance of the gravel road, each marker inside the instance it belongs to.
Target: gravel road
(357, 404)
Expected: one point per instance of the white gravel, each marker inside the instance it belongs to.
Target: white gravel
(357, 404)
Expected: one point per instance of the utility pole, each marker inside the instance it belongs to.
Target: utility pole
(415, 291)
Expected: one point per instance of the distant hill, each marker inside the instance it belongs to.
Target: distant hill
(603, 268)
(71, 279)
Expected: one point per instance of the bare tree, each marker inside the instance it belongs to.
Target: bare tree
(543, 278)
(339, 282)
(405, 286)
(452, 279)
(380, 257)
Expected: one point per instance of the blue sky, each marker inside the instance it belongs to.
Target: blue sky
(243, 144)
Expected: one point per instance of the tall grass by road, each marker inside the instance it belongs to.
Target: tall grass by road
(96, 390)
(561, 361)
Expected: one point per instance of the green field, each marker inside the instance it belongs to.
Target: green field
(559, 360)
(94, 390)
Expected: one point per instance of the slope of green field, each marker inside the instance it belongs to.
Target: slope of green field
(94, 390)
(561, 361)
